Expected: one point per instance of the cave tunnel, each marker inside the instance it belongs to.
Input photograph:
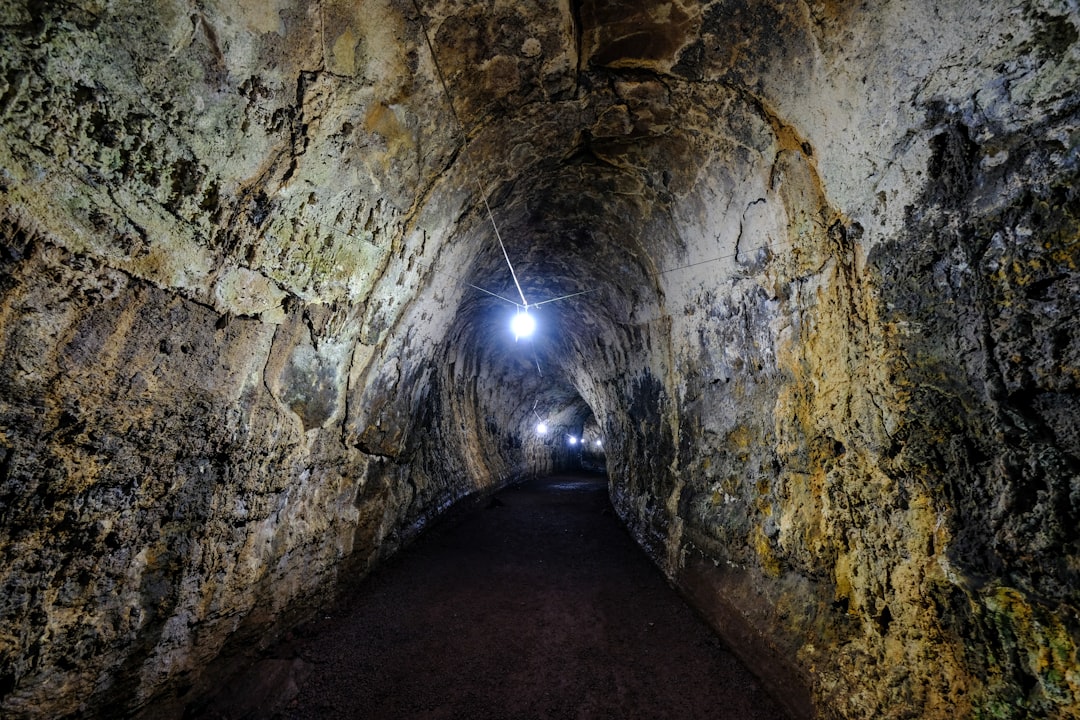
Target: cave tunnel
(822, 267)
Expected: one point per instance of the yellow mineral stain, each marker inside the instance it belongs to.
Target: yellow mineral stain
(1047, 644)
(381, 120)
(842, 575)
(769, 563)
(344, 52)
(739, 438)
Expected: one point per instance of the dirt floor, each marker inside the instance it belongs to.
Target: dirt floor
(538, 605)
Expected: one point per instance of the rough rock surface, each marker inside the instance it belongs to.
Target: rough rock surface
(830, 346)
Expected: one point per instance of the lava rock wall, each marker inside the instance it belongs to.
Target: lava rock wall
(848, 441)
(220, 315)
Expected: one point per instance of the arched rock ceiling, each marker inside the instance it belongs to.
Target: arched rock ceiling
(584, 182)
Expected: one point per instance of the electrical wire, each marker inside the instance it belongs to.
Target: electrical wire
(465, 151)
(512, 302)
(535, 304)
(564, 297)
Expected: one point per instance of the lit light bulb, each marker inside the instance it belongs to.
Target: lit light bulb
(522, 325)
(573, 440)
(599, 444)
(541, 428)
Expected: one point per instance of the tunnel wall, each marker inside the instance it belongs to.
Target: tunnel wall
(221, 334)
(850, 438)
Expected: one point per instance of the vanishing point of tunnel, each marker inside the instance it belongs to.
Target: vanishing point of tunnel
(805, 279)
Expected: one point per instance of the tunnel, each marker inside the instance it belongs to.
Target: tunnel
(805, 283)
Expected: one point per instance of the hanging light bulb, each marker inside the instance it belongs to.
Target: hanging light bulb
(541, 428)
(573, 440)
(522, 325)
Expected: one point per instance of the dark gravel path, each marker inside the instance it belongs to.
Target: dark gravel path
(539, 606)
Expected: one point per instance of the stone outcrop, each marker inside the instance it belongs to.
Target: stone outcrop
(828, 339)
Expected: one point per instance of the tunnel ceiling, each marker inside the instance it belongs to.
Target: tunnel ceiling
(583, 155)
(829, 259)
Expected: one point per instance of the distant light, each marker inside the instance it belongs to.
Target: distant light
(599, 444)
(541, 428)
(573, 440)
(522, 325)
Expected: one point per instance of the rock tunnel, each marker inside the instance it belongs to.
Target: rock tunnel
(250, 343)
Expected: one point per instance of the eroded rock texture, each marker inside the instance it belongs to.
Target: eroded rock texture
(829, 343)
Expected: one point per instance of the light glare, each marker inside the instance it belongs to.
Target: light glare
(522, 325)
(541, 428)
